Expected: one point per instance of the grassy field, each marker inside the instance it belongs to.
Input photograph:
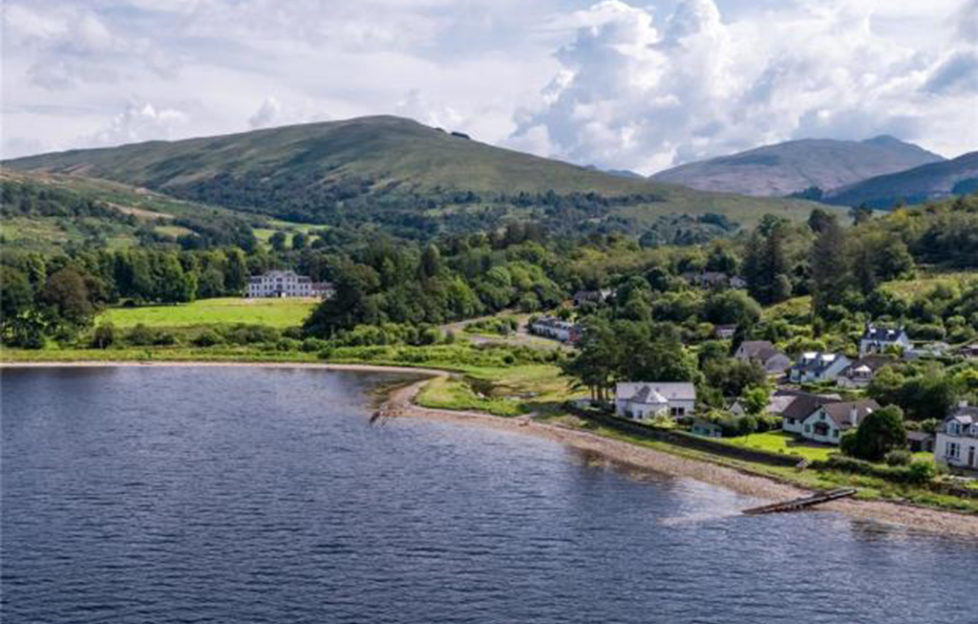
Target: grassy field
(538, 388)
(781, 442)
(277, 313)
(926, 281)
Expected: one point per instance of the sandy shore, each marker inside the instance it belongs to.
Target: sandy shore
(400, 403)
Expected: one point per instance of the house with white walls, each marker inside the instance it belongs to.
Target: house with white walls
(817, 366)
(829, 421)
(644, 400)
(882, 339)
(956, 445)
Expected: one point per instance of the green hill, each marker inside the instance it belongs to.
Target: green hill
(400, 176)
(913, 186)
(793, 166)
(43, 211)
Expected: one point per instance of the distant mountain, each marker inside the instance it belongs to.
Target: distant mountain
(913, 186)
(394, 173)
(621, 173)
(785, 168)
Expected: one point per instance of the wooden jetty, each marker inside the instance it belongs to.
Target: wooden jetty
(801, 503)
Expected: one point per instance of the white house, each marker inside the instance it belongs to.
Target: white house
(861, 372)
(644, 400)
(763, 353)
(880, 339)
(287, 284)
(553, 327)
(829, 420)
(815, 366)
(957, 439)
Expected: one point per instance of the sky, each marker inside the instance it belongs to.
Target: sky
(623, 85)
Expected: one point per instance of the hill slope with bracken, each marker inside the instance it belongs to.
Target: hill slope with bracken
(934, 181)
(395, 172)
(785, 168)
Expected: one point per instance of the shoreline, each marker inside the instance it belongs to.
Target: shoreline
(400, 403)
(366, 368)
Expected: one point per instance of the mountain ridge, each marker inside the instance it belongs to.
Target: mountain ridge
(938, 180)
(781, 169)
(393, 169)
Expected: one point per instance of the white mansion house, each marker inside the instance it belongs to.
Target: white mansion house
(287, 284)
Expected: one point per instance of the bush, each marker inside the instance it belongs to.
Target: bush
(921, 471)
(104, 336)
(164, 339)
(141, 336)
(898, 457)
(926, 331)
(287, 344)
(310, 345)
(207, 338)
(918, 472)
(294, 333)
(242, 334)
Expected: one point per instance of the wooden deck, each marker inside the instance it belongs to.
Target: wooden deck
(801, 503)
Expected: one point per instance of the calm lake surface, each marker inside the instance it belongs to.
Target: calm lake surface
(266, 495)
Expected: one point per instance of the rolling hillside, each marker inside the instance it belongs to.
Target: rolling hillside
(934, 181)
(42, 212)
(398, 175)
(785, 168)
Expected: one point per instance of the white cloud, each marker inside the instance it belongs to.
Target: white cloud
(639, 92)
(266, 113)
(139, 122)
(608, 83)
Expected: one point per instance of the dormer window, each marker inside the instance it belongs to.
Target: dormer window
(954, 428)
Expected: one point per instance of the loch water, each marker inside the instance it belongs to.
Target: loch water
(254, 495)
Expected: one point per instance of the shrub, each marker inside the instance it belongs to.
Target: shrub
(164, 339)
(207, 338)
(921, 471)
(104, 336)
(294, 333)
(878, 433)
(309, 345)
(141, 336)
(287, 344)
(897, 457)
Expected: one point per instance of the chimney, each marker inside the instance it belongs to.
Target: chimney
(853, 415)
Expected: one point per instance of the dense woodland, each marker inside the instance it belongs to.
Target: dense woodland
(523, 266)
(810, 286)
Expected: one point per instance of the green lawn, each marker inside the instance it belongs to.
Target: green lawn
(781, 442)
(273, 312)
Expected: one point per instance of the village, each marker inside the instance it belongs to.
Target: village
(815, 398)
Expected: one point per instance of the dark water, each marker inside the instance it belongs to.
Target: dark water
(249, 495)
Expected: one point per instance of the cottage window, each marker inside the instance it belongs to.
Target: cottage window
(952, 450)
(835, 433)
(808, 428)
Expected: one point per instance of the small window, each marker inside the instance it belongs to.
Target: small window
(835, 433)
(808, 428)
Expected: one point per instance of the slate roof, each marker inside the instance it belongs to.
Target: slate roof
(652, 391)
(872, 362)
(758, 350)
(840, 411)
(815, 361)
(802, 406)
(919, 436)
(882, 334)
